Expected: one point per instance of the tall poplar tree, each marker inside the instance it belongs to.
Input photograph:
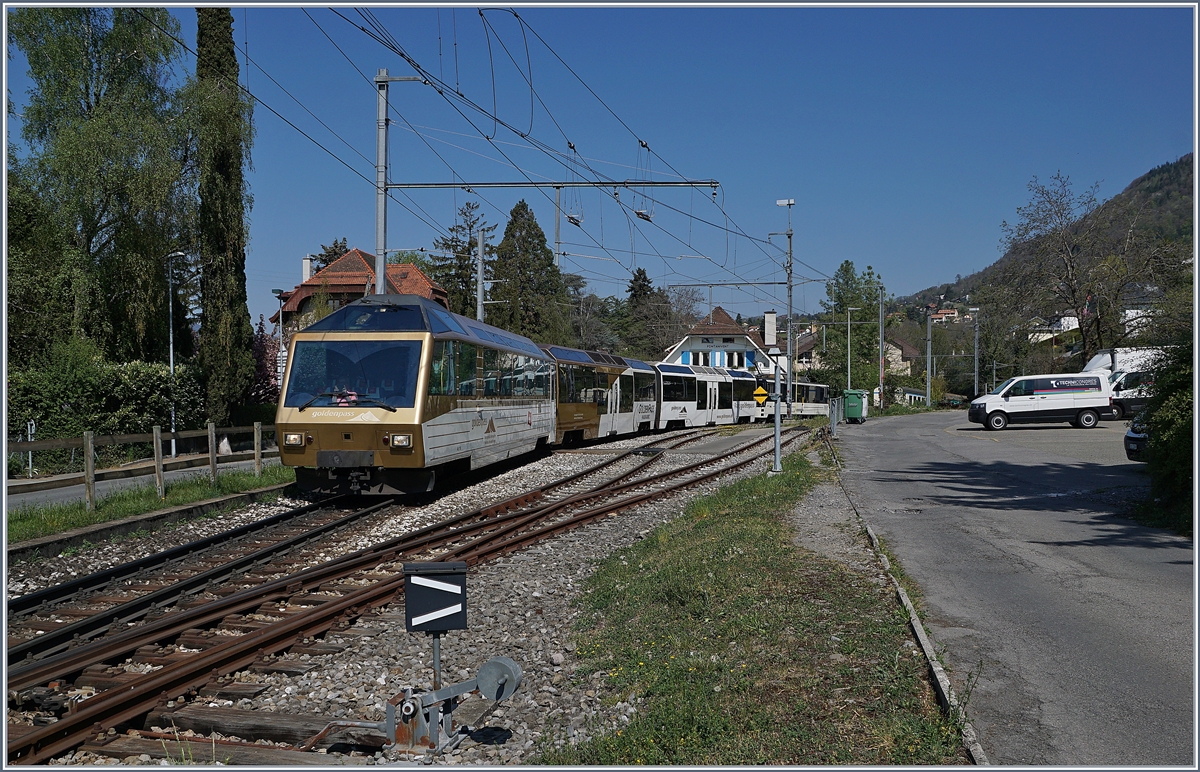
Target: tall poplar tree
(223, 135)
(530, 288)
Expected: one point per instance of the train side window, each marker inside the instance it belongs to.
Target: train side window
(466, 367)
(600, 391)
(520, 388)
(441, 370)
(643, 384)
(504, 370)
(724, 396)
(540, 380)
(491, 372)
(626, 405)
(701, 394)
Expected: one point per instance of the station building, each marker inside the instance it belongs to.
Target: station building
(718, 341)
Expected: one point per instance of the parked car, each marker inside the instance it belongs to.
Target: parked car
(1080, 399)
(1135, 441)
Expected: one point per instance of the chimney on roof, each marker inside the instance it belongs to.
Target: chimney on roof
(769, 336)
(306, 271)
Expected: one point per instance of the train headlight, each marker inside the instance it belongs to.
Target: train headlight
(401, 440)
(293, 438)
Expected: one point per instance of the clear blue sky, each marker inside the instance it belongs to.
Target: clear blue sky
(905, 135)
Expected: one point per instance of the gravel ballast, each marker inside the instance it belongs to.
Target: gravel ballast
(520, 606)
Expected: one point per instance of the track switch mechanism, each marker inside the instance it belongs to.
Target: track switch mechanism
(415, 721)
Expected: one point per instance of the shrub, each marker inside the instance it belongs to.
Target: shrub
(73, 389)
(1168, 418)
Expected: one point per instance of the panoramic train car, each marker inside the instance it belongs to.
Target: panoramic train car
(387, 391)
(696, 395)
(811, 399)
(601, 395)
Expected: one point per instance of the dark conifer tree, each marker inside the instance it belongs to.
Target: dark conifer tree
(530, 287)
(455, 269)
(223, 137)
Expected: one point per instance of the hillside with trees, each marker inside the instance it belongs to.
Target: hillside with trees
(1162, 203)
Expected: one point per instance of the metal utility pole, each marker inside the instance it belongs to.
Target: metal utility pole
(882, 353)
(848, 310)
(557, 222)
(928, 358)
(975, 311)
(789, 203)
(479, 280)
(774, 354)
(381, 166)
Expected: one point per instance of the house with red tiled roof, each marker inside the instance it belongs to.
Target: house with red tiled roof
(349, 278)
(718, 341)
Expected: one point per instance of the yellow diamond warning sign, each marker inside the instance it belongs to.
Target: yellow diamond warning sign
(760, 395)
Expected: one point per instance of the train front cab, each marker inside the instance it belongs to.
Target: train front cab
(698, 395)
(386, 391)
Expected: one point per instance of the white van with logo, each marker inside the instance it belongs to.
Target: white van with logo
(1080, 399)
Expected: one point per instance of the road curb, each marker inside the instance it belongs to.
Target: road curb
(49, 546)
(941, 682)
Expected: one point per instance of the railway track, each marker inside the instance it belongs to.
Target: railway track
(188, 648)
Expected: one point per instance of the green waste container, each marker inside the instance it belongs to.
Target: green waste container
(856, 405)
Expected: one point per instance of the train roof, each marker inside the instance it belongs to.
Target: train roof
(701, 370)
(413, 313)
(567, 354)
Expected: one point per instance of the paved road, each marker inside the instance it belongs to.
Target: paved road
(70, 493)
(1080, 624)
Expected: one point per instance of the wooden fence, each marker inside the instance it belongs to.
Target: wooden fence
(89, 441)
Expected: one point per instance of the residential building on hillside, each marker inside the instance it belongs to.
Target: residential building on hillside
(349, 278)
(903, 358)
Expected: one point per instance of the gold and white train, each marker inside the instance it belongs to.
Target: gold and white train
(388, 392)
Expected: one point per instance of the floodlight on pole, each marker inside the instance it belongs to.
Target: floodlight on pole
(848, 310)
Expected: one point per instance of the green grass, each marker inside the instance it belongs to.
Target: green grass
(29, 522)
(744, 649)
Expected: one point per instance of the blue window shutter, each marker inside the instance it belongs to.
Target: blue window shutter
(683, 358)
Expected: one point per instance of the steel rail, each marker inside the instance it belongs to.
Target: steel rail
(139, 696)
(53, 641)
(64, 663)
(31, 602)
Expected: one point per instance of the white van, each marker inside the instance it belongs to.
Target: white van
(1081, 399)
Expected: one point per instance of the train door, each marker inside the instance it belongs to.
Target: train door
(623, 399)
(706, 402)
(606, 391)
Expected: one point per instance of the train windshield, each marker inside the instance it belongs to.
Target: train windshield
(347, 372)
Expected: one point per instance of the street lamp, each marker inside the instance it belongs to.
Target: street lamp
(279, 353)
(171, 338)
(848, 310)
